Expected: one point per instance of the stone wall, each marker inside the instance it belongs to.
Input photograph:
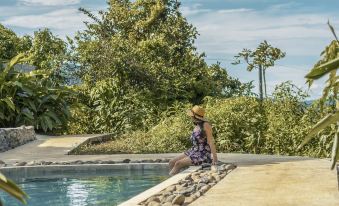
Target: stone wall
(13, 137)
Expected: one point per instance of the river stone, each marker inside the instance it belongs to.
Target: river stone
(178, 200)
(154, 199)
(169, 198)
(230, 167)
(189, 200)
(197, 194)
(126, 161)
(167, 204)
(205, 188)
(20, 164)
(171, 188)
(153, 203)
(31, 163)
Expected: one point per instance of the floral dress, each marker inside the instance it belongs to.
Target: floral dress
(200, 152)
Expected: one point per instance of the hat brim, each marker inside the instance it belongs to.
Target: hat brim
(191, 114)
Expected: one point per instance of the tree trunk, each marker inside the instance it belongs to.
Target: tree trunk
(260, 83)
(264, 75)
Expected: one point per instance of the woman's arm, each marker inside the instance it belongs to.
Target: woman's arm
(210, 140)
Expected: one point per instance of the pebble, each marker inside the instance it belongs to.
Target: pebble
(20, 164)
(180, 199)
(171, 188)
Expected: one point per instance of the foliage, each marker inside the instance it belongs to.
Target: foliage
(12, 189)
(31, 98)
(262, 58)
(328, 65)
(136, 59)
(111, 109)
(169, 135)
(236, 121)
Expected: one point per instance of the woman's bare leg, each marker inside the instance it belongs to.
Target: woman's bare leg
(174, 160)
(184, 162)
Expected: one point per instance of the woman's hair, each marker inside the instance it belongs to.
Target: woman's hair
(196, 120)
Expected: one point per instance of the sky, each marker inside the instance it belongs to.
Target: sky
(225, 27)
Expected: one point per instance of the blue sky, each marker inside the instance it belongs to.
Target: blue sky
(225, 26)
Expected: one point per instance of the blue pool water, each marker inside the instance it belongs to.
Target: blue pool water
(107, 189)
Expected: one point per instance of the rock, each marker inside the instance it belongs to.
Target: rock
(157, 160)
(171, 188)
(2, 162)
(212, 184)
(187, 191)
(205, 180)
(153, 199)
(197, 194)
(78, 162)
(189, 200)
(135, 161)
(109, 162)
(31, 163)
(166, 194)
(222, 175)
(14, 137)
(216, 177)
(97, 162)
(153, 203)
(167, 204)
(20, 164)
(170, 198)
(179, 199)
(165, 160)
(230, 167)
(126, 161)
(200, 185)
(205, 188)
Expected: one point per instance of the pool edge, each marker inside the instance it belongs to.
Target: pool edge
(134, 201)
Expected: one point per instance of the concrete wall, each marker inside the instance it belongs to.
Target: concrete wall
(13, 137)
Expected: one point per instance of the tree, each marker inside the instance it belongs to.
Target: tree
(48, 52)
(262, 58)
(329, 64)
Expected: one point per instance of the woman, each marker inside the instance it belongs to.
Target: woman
(203, 144)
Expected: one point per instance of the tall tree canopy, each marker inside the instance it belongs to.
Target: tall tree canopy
(148, 45)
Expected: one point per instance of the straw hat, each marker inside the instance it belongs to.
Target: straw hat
(197, 112)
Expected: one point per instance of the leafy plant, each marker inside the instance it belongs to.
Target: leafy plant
(328, 65)
(262, 58)
(31, 98)
(12, 189)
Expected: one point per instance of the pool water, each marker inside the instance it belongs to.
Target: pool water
(107, 189)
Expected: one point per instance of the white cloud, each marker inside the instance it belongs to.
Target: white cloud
(234, 10)
(228, 31)
(63, 19)
(49, 2)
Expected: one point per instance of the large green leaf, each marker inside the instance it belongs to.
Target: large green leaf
(9, 103)
(323, 69)
(322, 124)
(11, 188)
(335, 149)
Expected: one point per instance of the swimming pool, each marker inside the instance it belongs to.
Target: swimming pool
(102, 189)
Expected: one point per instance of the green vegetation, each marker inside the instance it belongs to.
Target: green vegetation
(328, 65)
(12, 189)
(135, 69)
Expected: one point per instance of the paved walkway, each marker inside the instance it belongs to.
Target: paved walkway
(258, 180)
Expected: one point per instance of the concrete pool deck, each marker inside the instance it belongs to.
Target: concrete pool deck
(258, 180)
